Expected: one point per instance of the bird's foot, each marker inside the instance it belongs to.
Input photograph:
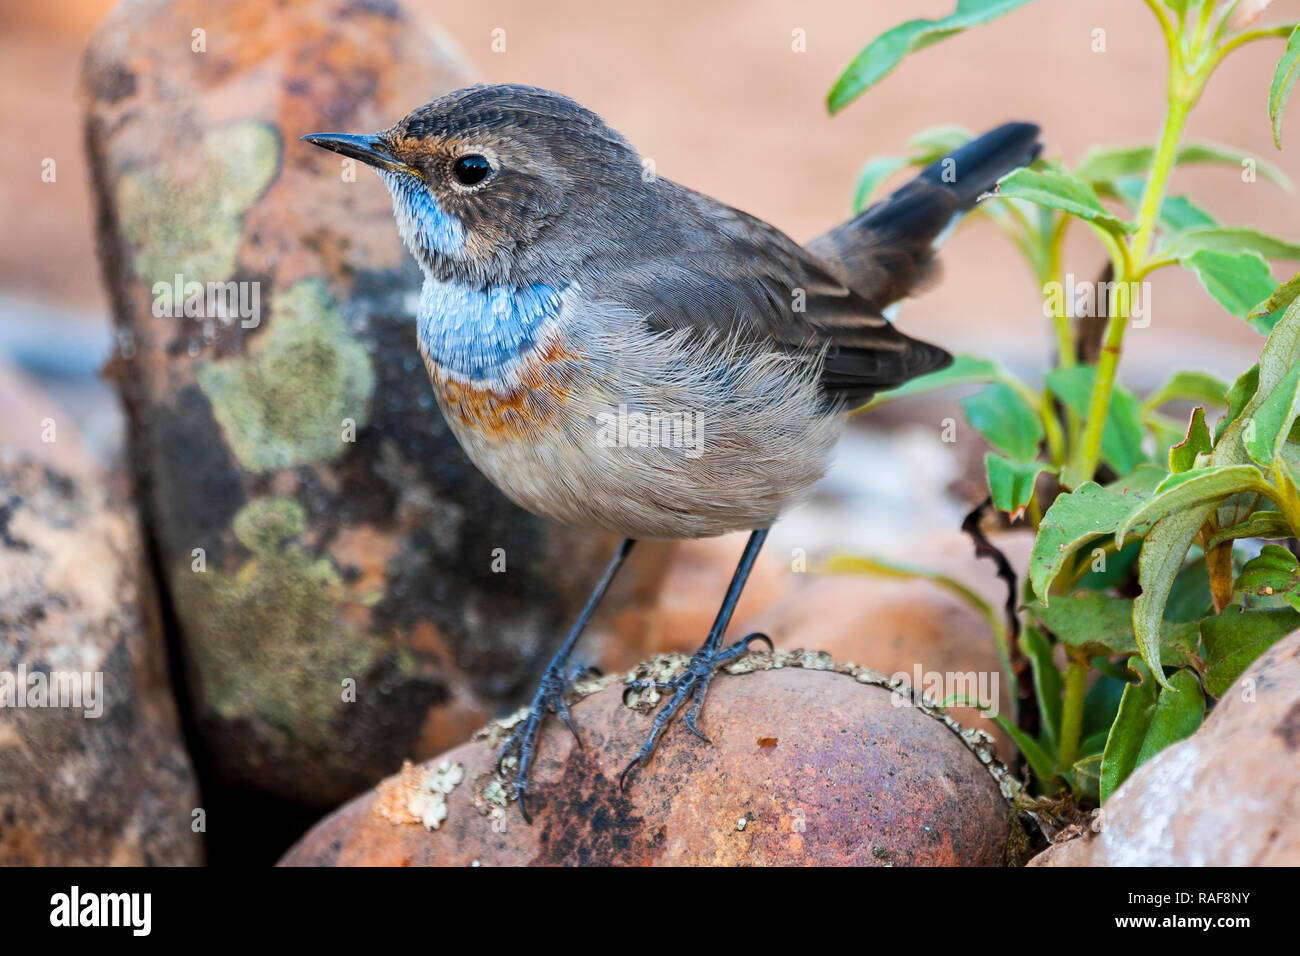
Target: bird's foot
(522, 744)
(690, 685)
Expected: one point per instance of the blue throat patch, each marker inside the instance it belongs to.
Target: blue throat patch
(479, 332)
(419, 217)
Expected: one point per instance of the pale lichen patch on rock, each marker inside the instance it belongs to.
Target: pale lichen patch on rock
(491, 798)
(418, 795)
(273, 628)
(184, 215)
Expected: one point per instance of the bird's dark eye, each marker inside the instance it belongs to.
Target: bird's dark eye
(471, 170)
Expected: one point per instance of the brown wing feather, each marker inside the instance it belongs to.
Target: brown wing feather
(745, 276)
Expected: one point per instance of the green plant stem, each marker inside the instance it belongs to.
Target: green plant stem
(1051, 428)
(1035, 513)
(1052, 273)
(1166, 25)
(1076, 688)
(1203, 26)
(1189, 69)
(1241, 39)
(1161, 167)
(1065, 358)
(1131, 262)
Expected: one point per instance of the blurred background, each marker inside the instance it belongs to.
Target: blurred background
(716, 96)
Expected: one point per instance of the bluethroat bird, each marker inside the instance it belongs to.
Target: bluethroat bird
(615, 351)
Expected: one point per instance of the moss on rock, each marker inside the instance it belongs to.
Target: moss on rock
(184, 216)
(286, 404)
(273, 647)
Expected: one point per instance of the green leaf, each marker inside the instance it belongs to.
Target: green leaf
(1107, 165)
(1124, 742)
(884, 53)
(1282, 297)
(1176, 214)
(1040, 762)
(1216, 153)
(1048, 688)
(875, 172)
(936, 142)
(1121, 439)
(1099, 709)
(1149, 720)
(1269, 426)
(1183, 455)
(1086, 781)
(1006, 422)
(1263, 324)
(1237, 281)
(1189, 489)
(1095, 743)
(964, 370)
(1083, 515)
(1231, 240)
(1283, 80)
(1237, 636)
(1116, 569)
(1099, 624)
(1166, 431)
(1111, 164)
(1262, 524)
(1177, 717)
(1189, 599)
(1059, 190)
(1011, 483)
(1273, 573)
(1239, 396)
(1281, 352)
(1163, 551)
(1200, 387)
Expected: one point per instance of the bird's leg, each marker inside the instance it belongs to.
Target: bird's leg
(554, 685)
(693, 683)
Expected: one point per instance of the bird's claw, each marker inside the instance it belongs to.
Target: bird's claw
(691, 684)
(522, 742)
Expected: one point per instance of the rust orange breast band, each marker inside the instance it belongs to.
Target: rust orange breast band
(520, 405)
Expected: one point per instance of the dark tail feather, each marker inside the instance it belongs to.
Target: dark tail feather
(886, 252)
(972, 170)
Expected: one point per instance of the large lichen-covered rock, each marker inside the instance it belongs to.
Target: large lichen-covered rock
(349, 590)
(811, 763)
(1229, 795)
(92, 767)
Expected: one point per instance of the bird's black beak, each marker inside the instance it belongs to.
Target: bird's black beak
(371, 150)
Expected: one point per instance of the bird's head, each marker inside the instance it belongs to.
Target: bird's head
(496, 183)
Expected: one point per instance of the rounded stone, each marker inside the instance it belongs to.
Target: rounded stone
(1229, 795)
(93, 770)
(808, 766)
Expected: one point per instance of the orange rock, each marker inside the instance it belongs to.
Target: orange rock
(693, 588)
(1229, 795)
(93, 770)
(808, 766)
(899, 626)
